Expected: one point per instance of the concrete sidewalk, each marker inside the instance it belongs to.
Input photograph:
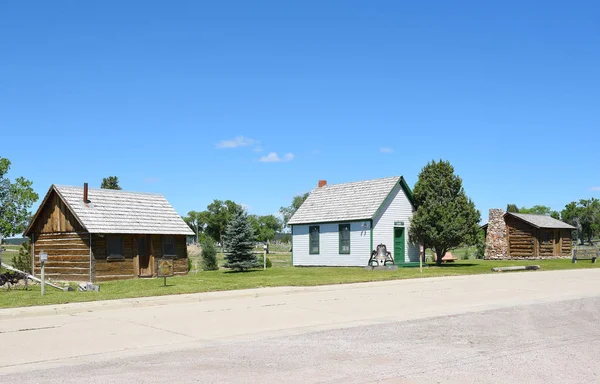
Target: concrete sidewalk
(61, 335)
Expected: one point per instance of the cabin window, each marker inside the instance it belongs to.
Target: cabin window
(114, 247)
(344, 230)
(169, 246)
(313, 245)
(547, 238)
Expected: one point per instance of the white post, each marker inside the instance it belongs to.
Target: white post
(265, 259)
(421, 256)
(43, 258)
(43, 278)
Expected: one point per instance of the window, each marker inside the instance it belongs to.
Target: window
(114, 247)
(344, 230)
(141, 244)
(313, 247)
(547, 238)
(169, 246)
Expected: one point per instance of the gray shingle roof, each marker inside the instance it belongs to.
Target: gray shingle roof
(542, 221)
(113, 211)
(344, 202)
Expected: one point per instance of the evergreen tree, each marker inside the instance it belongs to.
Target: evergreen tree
(23, 260)
(110, 182)
(445, 216)
(239, 242)
(209, 255)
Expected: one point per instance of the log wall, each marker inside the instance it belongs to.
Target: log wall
(104, 269)
(525, 240)
(68, 256)
(521, 238)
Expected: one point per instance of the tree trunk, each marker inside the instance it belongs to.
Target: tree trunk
(440, 252)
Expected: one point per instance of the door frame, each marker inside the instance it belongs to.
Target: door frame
(400, 259)
(148, 241)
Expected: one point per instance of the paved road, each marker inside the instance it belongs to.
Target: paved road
(508, 328)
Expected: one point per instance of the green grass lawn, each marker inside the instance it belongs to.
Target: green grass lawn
(222, 280)
(9, 252)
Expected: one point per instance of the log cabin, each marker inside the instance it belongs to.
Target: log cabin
(526, 236)
(95, 235)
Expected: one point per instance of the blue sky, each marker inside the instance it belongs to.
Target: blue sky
(186, 98)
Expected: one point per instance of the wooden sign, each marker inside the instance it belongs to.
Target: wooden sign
(165, 268)
(399, 223)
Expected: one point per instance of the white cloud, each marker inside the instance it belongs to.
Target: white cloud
(386, 150)
(594, 189)
(273, 157)
(239, 141)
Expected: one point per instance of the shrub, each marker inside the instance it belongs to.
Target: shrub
(209, 255)
(269, 264)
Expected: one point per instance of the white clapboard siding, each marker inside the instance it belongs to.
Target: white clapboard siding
(329, 255)
(396, 207)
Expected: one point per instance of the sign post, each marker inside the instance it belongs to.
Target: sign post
(265, 257)
(43, 259)
(165, 269)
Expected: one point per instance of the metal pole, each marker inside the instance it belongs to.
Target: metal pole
(43, 278)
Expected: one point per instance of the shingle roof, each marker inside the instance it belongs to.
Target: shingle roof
(114, 211)
(344, 202)
(542, 221)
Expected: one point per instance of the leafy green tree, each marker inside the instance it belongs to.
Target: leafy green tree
(239, 241)
(110, 182)
(218, 215)
(15, 200)
(512, 208)
(209, 255)
(555, 215)
(585, 216)
(288, 212)
(196, 221)
(265, 227)
(445, 217)
(536, 210)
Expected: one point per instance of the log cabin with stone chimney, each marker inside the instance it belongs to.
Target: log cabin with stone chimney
(525, 236)
(95, 235)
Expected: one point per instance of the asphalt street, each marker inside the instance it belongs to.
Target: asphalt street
(534, 327)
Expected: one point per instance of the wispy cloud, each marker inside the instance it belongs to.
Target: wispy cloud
(238, 141)
(258, 148)
(386, 150)
(151, 180)
(594, 189)
(273, 157)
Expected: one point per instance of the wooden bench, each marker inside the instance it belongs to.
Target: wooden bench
(585, 254)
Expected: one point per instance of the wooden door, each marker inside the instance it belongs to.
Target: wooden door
(145, 267)
(557, 242)
(398, 245)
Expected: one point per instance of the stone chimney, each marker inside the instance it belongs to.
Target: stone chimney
(322, 183)
(496, 243)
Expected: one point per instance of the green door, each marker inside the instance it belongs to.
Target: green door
(398, 245)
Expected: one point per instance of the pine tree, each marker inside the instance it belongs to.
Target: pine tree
(239, 242)
(209, 255)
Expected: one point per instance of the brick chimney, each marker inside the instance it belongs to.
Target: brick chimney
(496, 244)
(322, 183)
(85, 193)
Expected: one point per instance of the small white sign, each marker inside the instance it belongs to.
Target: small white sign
(43, 256)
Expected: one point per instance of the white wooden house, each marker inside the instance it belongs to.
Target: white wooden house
(339, 225)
